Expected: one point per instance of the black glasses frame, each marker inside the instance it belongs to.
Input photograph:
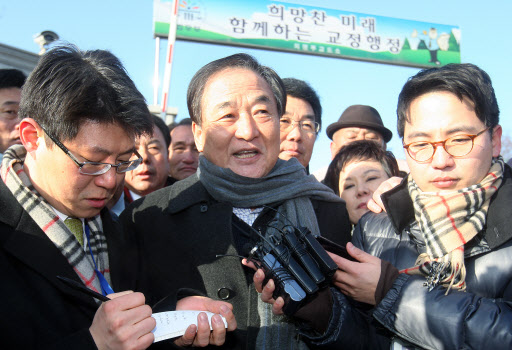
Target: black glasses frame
(134, 163)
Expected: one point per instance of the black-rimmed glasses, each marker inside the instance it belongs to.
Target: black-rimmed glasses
(98, 168)
(456, 146)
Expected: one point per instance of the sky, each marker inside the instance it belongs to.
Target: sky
(125, 28)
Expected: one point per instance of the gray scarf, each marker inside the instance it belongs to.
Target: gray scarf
(288, 185)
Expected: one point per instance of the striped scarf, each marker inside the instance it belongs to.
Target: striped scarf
(448, 220)
(15, 178)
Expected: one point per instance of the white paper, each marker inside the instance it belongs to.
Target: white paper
(171, 324)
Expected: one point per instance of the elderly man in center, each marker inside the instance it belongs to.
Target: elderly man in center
(192, 232)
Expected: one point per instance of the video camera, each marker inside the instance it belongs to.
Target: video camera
(294, 258)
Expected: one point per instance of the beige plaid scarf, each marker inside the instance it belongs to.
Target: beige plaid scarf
(448, 220)
(19, 184)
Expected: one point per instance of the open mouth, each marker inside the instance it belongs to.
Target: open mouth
(245, 154)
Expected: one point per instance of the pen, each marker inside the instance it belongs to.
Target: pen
(81, 288)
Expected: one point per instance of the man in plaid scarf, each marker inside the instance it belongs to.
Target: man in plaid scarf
(437, 267)
(80, 115)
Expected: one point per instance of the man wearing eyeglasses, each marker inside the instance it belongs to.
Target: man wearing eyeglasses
(301, 121)
(440, 271)
(80, 115)
(11, 81)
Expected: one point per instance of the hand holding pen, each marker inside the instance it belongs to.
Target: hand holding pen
(82, 288)
(122, 321)
(126, 314)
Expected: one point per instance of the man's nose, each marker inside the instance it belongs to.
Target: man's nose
(189, 156)
(107, 180)
(246, 127)
(295, 132)
(143, 151)
(441, 159)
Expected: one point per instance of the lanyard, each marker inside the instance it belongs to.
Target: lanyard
(105, 287)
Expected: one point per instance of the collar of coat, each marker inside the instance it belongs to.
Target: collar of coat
(400, 210)
(185, 193)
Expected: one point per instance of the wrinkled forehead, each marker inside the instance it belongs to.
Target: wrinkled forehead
(230, 81)
(185, 130)
(299, 107)
(155, 136)
(9, 96)
(181, 132)
(358, 130)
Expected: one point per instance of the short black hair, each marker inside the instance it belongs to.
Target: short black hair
(12, 78)
(69, 87)
(302, 90)
(185, 121)
(359, 150)
(164, 129)
(464, 80)
(239, 60)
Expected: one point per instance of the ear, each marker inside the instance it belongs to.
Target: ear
(496, 140)
(31, 134)
(334, 150)
(198, 136)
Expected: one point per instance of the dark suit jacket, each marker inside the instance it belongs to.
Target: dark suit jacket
(180, 230)
(38, 310)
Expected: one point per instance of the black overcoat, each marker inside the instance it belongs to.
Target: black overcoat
(180, 231)
(38, 310)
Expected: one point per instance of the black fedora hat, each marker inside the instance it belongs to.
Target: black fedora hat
(360, 116)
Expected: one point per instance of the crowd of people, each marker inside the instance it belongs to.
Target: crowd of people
(185, 216)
